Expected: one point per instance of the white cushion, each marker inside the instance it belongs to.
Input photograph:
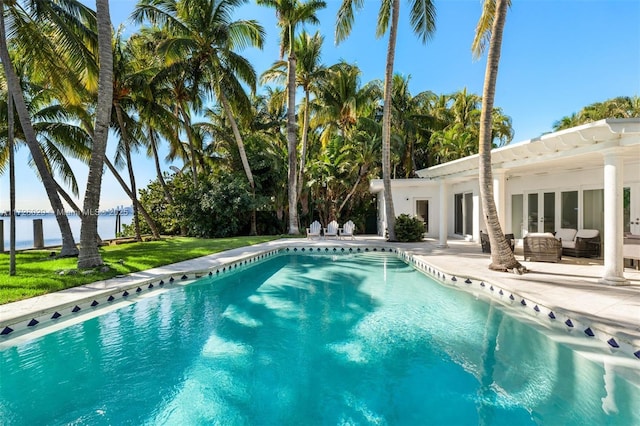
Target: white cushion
(566, 234)
(569, 244)
(587, 233)
(540, 234)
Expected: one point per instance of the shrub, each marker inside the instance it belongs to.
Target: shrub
(409, 229)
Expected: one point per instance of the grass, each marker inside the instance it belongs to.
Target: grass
(37, 273)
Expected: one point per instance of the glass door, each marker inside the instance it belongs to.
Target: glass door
(422, 212)
(541, 212)
(549, 209)
(517, 215)
(631, 206)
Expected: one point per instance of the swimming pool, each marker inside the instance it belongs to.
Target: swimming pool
(312, 339)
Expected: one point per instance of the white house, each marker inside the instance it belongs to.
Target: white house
(584, 177)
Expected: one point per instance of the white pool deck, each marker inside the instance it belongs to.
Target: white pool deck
(570, 286)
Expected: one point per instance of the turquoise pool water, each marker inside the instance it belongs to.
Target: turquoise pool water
(310, 340)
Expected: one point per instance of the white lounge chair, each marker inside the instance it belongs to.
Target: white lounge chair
(331, 230)
(347, 230)
(314, 229)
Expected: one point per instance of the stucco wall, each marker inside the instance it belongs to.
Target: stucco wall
(407, 191)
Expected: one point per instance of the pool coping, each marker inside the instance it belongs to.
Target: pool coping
(621, 336)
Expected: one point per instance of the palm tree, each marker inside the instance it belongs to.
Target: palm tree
(15, 91)
(490, 27)
(423, 23)
(202, 38)
(309, 74)
(125, 82)
(12, 186)
(292, 13)
(341, 101)
(410, 121)
(619, 107)
(89, 254)
(154, 101)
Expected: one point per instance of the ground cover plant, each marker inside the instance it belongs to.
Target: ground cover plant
(39, 273)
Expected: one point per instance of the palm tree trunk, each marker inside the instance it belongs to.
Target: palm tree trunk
(72, 204)
(145, 214)
(13, 87)
(386, 123)
(350, 194)
(305, 140)
(292, 143)
(502, 258)
(192, 149)
(156, 161)
(132, 178)
(12, 185)
(243, 156)
(89, 254)
(134, 193)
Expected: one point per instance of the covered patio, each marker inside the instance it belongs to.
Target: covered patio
(584, 177)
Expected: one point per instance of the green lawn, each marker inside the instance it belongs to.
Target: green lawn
(38, 273)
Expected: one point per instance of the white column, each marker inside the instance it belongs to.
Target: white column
(613, 216)
(499, 191)
(444, 214)
(382, 215)
(478, 217)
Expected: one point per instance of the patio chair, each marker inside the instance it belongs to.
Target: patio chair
(486, 243)
(331, 230)
(542, 247)
(314, 229)
(347, 230)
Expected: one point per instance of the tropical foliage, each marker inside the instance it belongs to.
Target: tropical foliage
(409, 229)
(619, 107)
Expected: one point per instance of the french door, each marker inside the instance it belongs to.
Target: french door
(541, 211)
(631, 208)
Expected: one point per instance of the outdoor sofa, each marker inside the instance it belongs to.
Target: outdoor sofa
(579, 243)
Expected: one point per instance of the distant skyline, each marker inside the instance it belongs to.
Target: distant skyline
(557, 57)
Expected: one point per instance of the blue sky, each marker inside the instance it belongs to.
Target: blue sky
(557, 57)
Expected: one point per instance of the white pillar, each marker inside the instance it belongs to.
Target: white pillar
(499, 191)
(444, 214)
(478, 217)
(613, 217)
(382, 212)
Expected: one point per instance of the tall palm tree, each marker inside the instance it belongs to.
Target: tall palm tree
(125, 82)
(292, 13)
(341, 101)
(410, 121)
(12, 186)
(422, 20)
(310, 72)
(89, 254)
(490, 28)
(202, 37)
(15, 91)
(154, 102)
(619, 107)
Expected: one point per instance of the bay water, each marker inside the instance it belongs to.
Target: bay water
(51, 230)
